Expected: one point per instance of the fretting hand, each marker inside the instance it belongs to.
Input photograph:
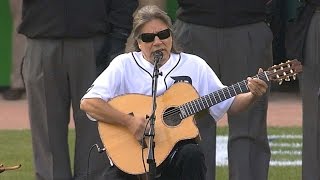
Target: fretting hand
(257, 86)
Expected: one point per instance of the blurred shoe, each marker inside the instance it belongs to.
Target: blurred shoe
(13, 94)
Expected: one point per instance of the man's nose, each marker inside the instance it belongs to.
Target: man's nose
(157, 40)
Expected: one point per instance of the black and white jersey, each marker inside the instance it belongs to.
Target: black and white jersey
(131, 73)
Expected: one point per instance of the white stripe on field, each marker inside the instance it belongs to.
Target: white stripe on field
(286, 152)
(285, 144)
(288, 136)
(286, 163)
(272, 163)
(222, 153)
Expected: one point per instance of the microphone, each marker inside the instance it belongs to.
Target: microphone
(157, 56)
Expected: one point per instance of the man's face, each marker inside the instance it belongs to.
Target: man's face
(156, 37)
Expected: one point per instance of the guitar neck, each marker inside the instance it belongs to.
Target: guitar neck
(216, 97)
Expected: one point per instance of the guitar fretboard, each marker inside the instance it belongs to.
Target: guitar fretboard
(216, 97)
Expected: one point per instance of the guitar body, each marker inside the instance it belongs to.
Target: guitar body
(122, 147)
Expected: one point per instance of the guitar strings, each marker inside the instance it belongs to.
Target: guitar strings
(206, 97)
(224, 90)
(176, 110)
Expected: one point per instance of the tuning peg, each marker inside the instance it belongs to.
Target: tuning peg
(287, 78)
(294, 76)
(284, 73)
(280, 81)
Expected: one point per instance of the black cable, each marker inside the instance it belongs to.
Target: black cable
(142, 142)
(88, 161)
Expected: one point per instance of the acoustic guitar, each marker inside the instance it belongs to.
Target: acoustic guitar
(174, 118)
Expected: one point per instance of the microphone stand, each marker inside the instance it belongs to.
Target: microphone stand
(151, 161)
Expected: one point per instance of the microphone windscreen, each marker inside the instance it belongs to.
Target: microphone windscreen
(157, 55)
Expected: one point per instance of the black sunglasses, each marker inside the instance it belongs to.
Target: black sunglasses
(149, 37)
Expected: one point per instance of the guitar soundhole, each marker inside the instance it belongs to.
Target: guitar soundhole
(171, 116)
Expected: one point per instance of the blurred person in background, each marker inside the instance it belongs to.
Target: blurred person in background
(64, 40)
(303, 43)
(235, 40)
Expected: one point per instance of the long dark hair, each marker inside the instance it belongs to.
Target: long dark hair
(144, 15)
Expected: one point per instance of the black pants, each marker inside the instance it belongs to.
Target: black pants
(184, 163)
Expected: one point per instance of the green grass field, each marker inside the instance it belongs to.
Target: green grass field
(286, 146)
(285, 160)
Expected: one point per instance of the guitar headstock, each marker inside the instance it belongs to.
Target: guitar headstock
(284, 71)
